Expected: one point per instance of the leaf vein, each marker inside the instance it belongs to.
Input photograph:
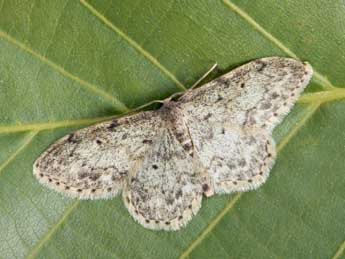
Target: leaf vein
(27, 140)
(97, 245)
(52, 231)
(211, 225)
(134, 44)
(340, 251)
(27, 197)
(325, 83)
(90, 87)
(4, 237)
(307, 115)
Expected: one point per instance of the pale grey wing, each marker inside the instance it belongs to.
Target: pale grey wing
(236, 160)
(164, 191)
(93, 162)
(257, 94)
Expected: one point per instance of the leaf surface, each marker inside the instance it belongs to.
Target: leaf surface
(68, 64)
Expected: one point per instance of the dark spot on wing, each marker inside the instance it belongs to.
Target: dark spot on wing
(94, 177)
(170, 201)
(266, 105)
(178, 194)
(147, 141)
(188, 146)
(222, 80)
(219, 98)
(205, 187)
(274, 95)
(72, 138)
(82, 175)
(261, 65)
(122, 174)
(155, 167)
(242, 163)
(207, 116)
(113, 125)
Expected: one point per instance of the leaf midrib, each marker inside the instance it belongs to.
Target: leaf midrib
(322, 97)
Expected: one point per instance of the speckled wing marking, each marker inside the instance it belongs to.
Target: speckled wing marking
(93, 162)
(165, 191)
(257, 94)
(230, 119)
(236, 160)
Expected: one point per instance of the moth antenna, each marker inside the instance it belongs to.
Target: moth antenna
(175, 94)
(143, 106)
(204, 76)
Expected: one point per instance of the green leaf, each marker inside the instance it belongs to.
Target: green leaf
(68, 64)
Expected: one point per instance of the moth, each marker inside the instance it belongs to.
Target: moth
(214, 139)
